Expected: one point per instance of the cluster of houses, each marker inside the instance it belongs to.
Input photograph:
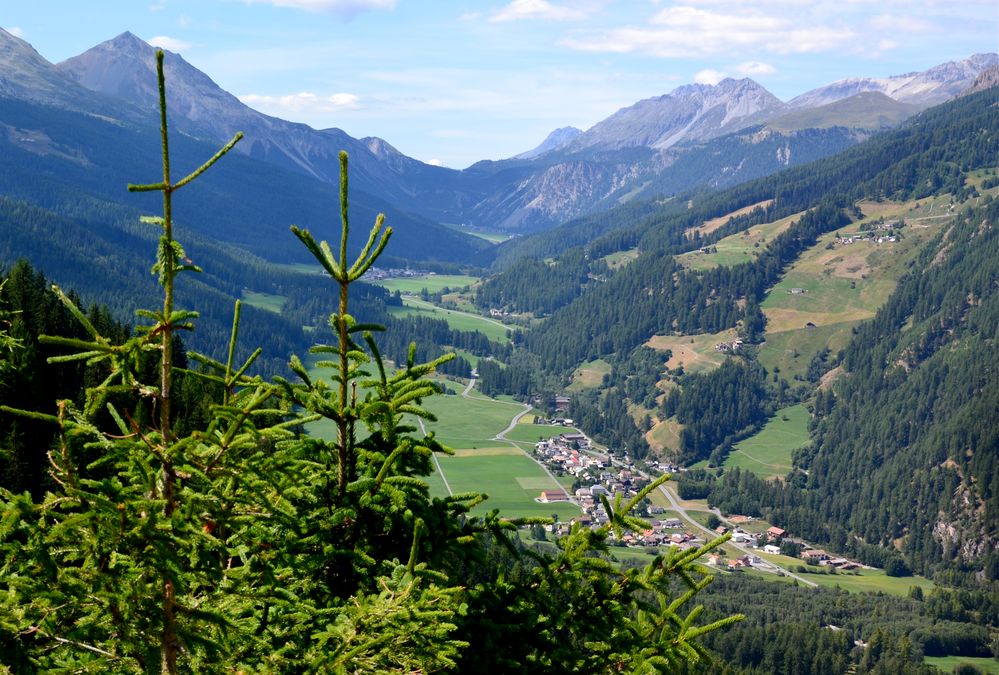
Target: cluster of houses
(566, 454)
(733, 346)
(774, 537)
(876, 238)
(378, 273)
(668, 532)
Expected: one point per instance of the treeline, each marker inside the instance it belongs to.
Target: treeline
(537, 286)
(905, 447)
(718, 408)
(656, 295)
(433, 338)
(103, 253)
(791, 630)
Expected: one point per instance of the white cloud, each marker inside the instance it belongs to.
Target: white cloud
(755, 68)
(343, 7)
(886, 44)
(169, 43)
(906, 24)
(16, 31)
(157, 6)
(183, 21)
(305, 102)
(679, 31)
(435, 162)
(536, 9)
(709, 76)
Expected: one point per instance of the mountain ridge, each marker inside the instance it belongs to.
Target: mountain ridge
(569, 175)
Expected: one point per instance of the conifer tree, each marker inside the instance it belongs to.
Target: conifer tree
(245, 545)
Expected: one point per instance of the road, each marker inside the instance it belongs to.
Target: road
(674, 503)
(501, 436)
(416, 301)
(681, 511)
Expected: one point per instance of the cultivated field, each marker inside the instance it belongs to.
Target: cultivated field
(621, 258)
(832, 286)
(947, 664)
(431, 283)
(791, 351)
(510, 478)
(855, 581)
(709, 226)
(768, 452)
(665, 435)
(738, 248)
(458, 320)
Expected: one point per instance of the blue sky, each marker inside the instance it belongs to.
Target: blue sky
(455, 82)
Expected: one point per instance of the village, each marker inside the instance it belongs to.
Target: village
(571, 454)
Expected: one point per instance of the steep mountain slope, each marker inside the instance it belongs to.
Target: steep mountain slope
(866, 110)
(63, 147)
(693, 112)
(124, 67)
(903, 459)
(28, 76)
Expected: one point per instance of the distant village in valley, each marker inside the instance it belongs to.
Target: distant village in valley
(597, 474)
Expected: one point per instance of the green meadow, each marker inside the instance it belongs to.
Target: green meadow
(737, 248)
(266, 301)
(431, 283)
(590, 375)
(511, 479)
(946, 664)
(768, 452)
(457, 320)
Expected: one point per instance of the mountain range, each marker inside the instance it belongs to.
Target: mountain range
(731, 131)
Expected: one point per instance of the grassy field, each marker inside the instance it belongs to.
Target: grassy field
(768, 452)
(665, 435)
(738, 248)
(792, 350)
(948, 663)
(482, 464)
(856, 581)
(621, 258)
(696, 353)
(511, 480)
(849, 282)
(590, 375)
(709, 226)
(870, 581)
(305, 268)
(842, 284)
(431, 283)
(271, 303)
(469, 422)
(493, 329)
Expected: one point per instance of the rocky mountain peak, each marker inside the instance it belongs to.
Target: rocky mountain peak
(26, 74)
(553, 141)
(692, 112)
(922, 88)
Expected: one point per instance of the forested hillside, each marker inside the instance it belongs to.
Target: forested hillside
(905, 443)
(188, 524)
(901, 459)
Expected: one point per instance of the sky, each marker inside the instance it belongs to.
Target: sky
(452, 83)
